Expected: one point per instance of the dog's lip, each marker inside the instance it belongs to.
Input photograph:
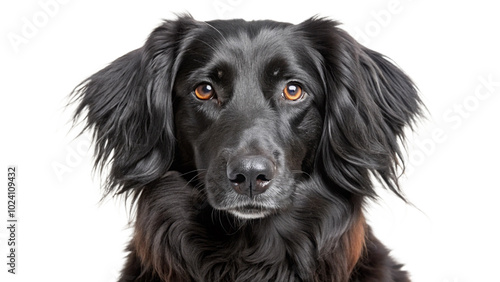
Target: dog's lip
(251, 211)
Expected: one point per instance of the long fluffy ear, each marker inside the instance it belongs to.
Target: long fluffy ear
(368, 103)
(128, 105)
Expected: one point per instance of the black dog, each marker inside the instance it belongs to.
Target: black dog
(249, 149)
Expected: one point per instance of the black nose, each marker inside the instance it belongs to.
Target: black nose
(250, 175)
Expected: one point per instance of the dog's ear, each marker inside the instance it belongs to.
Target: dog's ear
(368, 102)
(128, 105)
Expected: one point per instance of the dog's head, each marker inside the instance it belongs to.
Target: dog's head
(250, 110)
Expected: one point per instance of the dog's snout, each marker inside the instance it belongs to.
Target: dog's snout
(251, 175)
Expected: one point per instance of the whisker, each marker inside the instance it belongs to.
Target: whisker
(218, 31)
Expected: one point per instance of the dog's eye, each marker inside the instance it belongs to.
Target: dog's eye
(292, 92)
(204, 91)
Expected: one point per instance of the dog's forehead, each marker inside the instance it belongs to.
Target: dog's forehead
(261, 50)
(248, 40)
(247, 30)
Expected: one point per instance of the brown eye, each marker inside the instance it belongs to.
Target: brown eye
(292, 92)
(204, 91)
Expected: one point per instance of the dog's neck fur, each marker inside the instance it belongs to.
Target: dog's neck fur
(167, 243)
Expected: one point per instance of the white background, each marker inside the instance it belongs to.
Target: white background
(451, 50)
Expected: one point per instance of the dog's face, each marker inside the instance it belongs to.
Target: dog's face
(248, 112)
(253, 109)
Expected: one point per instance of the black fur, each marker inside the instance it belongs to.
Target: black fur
(302, 218)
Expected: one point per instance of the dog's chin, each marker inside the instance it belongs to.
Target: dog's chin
(272, 202)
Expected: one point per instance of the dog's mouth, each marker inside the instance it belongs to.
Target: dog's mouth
(251, 211)
(249, 186)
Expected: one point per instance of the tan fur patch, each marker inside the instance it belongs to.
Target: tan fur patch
(356, 242)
